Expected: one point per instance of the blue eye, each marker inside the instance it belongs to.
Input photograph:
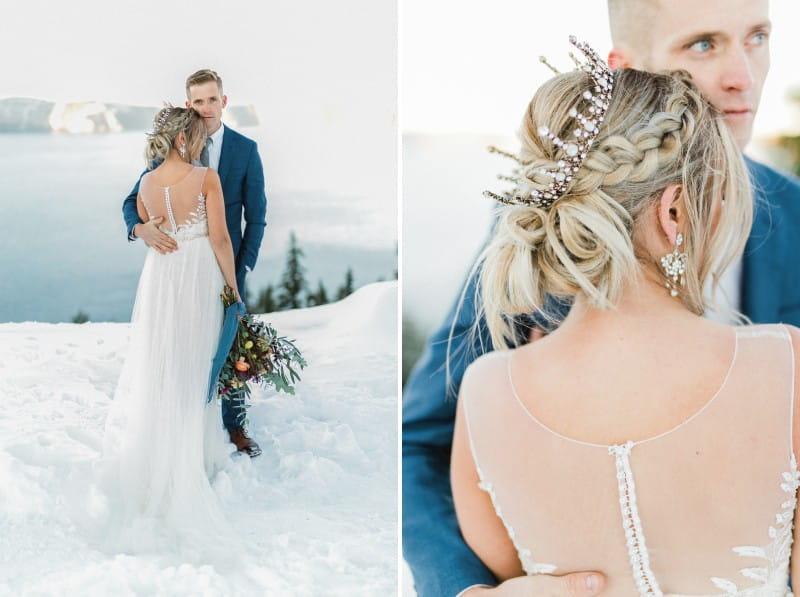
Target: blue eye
(701, 45)
(760, 38)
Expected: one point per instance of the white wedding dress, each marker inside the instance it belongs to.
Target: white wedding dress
(703, 509)
(163, 440)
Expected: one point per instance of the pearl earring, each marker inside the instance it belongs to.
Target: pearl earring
(182, 151)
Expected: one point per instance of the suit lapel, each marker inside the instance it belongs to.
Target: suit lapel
(226, 156)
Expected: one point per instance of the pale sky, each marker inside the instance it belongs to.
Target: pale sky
(471, 67)
(322, 76)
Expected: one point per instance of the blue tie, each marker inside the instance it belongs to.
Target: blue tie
(204, 153)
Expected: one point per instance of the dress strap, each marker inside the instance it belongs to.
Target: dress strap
(204, 170)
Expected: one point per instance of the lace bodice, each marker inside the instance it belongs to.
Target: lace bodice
(181, 202)
(705, 509)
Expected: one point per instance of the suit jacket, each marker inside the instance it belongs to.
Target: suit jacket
(442, 564)
(242, 176)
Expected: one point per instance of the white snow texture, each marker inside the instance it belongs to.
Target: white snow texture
(316, 512)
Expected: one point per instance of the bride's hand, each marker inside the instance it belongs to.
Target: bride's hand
(577, 584)
(153, 237)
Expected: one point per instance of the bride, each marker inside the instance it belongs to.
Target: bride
(639, 439)
(164, 439)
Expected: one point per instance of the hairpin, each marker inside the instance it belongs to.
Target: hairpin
(159, 124)
(588, 118)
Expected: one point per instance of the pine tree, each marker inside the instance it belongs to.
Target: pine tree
(347, 288)
(246, 297)
(293, 281)
(80, 317)
(266, 300)
(320, 297)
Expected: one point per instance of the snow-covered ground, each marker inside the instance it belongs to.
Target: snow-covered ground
(317, 510)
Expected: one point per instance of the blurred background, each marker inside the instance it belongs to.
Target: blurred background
(314, 83)
(460, 96)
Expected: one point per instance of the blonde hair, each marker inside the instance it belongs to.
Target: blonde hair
(177, 120)
(658, 131)
(204, 75)
(629, 22)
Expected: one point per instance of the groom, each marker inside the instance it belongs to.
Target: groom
(236, 160)
(724, 45)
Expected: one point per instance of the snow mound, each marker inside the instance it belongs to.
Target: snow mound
(317, 511)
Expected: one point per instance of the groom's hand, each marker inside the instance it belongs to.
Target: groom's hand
(153, 237)
(577, 584)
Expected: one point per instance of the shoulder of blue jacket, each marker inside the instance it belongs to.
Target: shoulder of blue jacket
(772, 183)
(237, 136)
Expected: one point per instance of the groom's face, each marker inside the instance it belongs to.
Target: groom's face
(724, 44)
(208, 101)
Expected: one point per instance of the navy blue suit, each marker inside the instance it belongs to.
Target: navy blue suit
(242, 176)
(442, 564)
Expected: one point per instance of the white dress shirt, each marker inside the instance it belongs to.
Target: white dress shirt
(729, 292)
(215, 148)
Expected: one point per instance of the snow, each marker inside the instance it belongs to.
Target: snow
(317, 510)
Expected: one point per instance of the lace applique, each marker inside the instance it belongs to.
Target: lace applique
(525, 557)
(196, 216)
(637, 550)
(777, 552)
(195, 226)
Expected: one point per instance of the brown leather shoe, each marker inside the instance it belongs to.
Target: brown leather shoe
(244, 443)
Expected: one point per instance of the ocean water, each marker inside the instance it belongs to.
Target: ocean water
(63, 245)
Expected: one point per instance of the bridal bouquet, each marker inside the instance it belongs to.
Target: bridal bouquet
(258, 355)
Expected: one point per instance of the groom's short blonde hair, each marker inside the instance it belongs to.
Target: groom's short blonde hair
(629, 21)
(204, 75)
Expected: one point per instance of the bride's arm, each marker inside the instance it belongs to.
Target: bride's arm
(795, 559)
(218, 228)
(482, 529)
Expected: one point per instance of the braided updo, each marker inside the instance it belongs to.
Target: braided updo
(164, 137)
(658, 131)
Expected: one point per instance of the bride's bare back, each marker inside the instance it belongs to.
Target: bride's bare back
(670, 471)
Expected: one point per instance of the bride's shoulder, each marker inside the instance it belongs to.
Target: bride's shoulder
(767, 330)
(487, 368)
(794, 336)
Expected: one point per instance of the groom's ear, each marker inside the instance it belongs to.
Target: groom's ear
(618, 58)
(188, 105)
(224, 100)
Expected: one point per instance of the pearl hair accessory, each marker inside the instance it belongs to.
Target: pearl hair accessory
(159, 124)
(588, 114)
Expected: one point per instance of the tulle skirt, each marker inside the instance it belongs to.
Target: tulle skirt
(163, 440)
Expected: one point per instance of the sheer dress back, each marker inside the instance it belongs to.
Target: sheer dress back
(182, 205)
(705, 508)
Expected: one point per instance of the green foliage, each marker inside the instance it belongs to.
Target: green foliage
(266, 302)
(80, 317)
(247, 297)
(413, 344)
(293, 282)
(258, 355)
(346, 289)
(318, 297)
(790, 144)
